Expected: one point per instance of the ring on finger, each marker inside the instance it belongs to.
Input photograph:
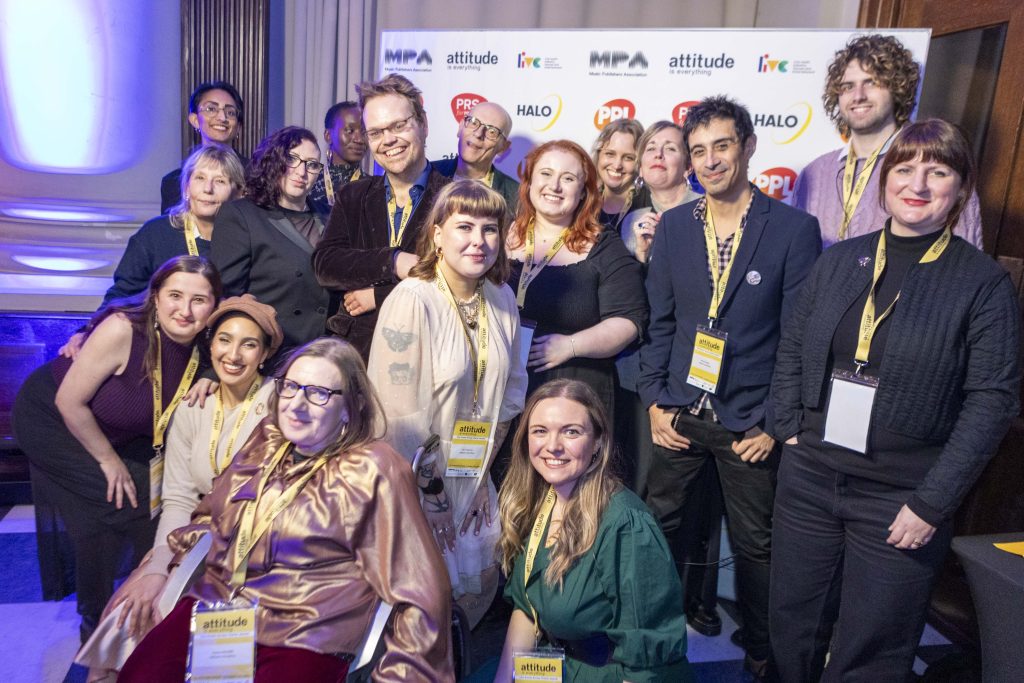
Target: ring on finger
(475, 513)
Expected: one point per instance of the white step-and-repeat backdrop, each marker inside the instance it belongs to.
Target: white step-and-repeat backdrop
(570, 84)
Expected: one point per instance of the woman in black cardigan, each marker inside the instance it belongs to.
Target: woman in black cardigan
(897, 377)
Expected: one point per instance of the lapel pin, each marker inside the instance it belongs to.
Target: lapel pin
(753, 278)
(864, 261)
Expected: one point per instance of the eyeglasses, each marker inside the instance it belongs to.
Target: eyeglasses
(318, 396)
(397, 127)
(312, 165)
(490, 132)
(211, 109)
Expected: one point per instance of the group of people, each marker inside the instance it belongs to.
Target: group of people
(524, 381)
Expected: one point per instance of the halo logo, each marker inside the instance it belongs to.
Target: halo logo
(776, 182)
(404, 57)
(680, 111)
(543, 113)
(787, 125)
(464, 103)
(613, 110)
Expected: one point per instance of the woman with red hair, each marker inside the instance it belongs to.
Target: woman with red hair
(576, 281)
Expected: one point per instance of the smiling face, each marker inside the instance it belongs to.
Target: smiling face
(310, 427)
(474, 147)
(865, 106)
(345, 139)
(217, 125)
(719, 159)
(556, 187)
(919, 195)
(296, 182)
(469, 246)
(616, 164)
(399, 154)
(208, 188)
(183, 305)
(561, 442)
(663, 162)
(237, 348)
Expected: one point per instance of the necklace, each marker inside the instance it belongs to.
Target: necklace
(470, 310)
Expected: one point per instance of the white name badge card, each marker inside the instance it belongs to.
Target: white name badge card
(708, 353)
(526, 329)
(470, 440)
(542, 664)
(848, 416)
(222, 644)
(156, 485)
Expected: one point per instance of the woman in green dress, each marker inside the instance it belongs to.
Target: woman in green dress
(601, 586)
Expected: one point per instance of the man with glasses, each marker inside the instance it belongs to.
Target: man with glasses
(346, 147)
(215, 113)
(723, 276)
(370, 241)
(483, 136)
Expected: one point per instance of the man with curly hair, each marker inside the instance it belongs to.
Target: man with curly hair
(870, 93)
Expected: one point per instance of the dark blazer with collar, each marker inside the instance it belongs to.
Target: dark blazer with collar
(503, 184)
(355, 252)
(259, 251)
(778, 248)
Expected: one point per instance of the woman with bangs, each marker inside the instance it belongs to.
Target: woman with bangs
(445, 353)
(589, 570)
(897, 377)
(615, 155)
(574, 280)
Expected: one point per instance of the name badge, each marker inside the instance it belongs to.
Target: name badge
(848, 415)
(222, 644)
(470, 440)
(542, 664)
(708, 354)
(526, 329)
(156, 485)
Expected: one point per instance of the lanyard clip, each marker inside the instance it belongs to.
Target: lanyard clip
(861, 364)
(711, 323)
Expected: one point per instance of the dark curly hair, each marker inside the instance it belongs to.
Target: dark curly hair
(718, 107)
(891, 65)
(269, 164)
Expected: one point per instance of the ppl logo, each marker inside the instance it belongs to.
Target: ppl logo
(776, 182)
(405, 57)
(786, 125)
(613, 110)
(464, 103)
(765, 64)
(524, 61)
(543, 114)
(680, 111)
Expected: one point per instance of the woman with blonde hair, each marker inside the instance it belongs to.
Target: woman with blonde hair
(589, 570)
(615, 155)
(445, 358)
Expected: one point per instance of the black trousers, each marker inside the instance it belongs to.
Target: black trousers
(69, 492)
(749, 491)
(831, 528)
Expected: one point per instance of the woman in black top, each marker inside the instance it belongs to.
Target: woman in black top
(897, 377)
(575, 280)
(264, 242)
(615, 155)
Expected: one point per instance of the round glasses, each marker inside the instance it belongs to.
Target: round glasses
(211, 109)
(312, 165)
(318, 396)
(490, 132)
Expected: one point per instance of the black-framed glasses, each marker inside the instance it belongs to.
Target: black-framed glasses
(211, 109)
(400, 126)
(490, 132)
(316, 395)
(312, 165)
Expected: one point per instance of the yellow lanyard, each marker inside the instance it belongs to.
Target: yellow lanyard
(396, 238)
(529, 272)
(489, 178)
(218, 424)
(868, 322)
(161, 417)
(852, 193)
(190, 234)
(247, 535)
(719, 281)
(479, 350)
(531, 550)
(329, 183)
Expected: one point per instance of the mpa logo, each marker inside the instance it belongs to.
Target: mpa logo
(542, 114)
(787, 125)
(617, 62)
(765, 64)
(776, 182)
(680, 111)
(407, 57)
(464, 103)
(613, 110)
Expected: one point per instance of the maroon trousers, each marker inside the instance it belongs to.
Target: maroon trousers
(163, 654)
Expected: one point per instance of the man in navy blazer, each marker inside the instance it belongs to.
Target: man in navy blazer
(724, 270)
